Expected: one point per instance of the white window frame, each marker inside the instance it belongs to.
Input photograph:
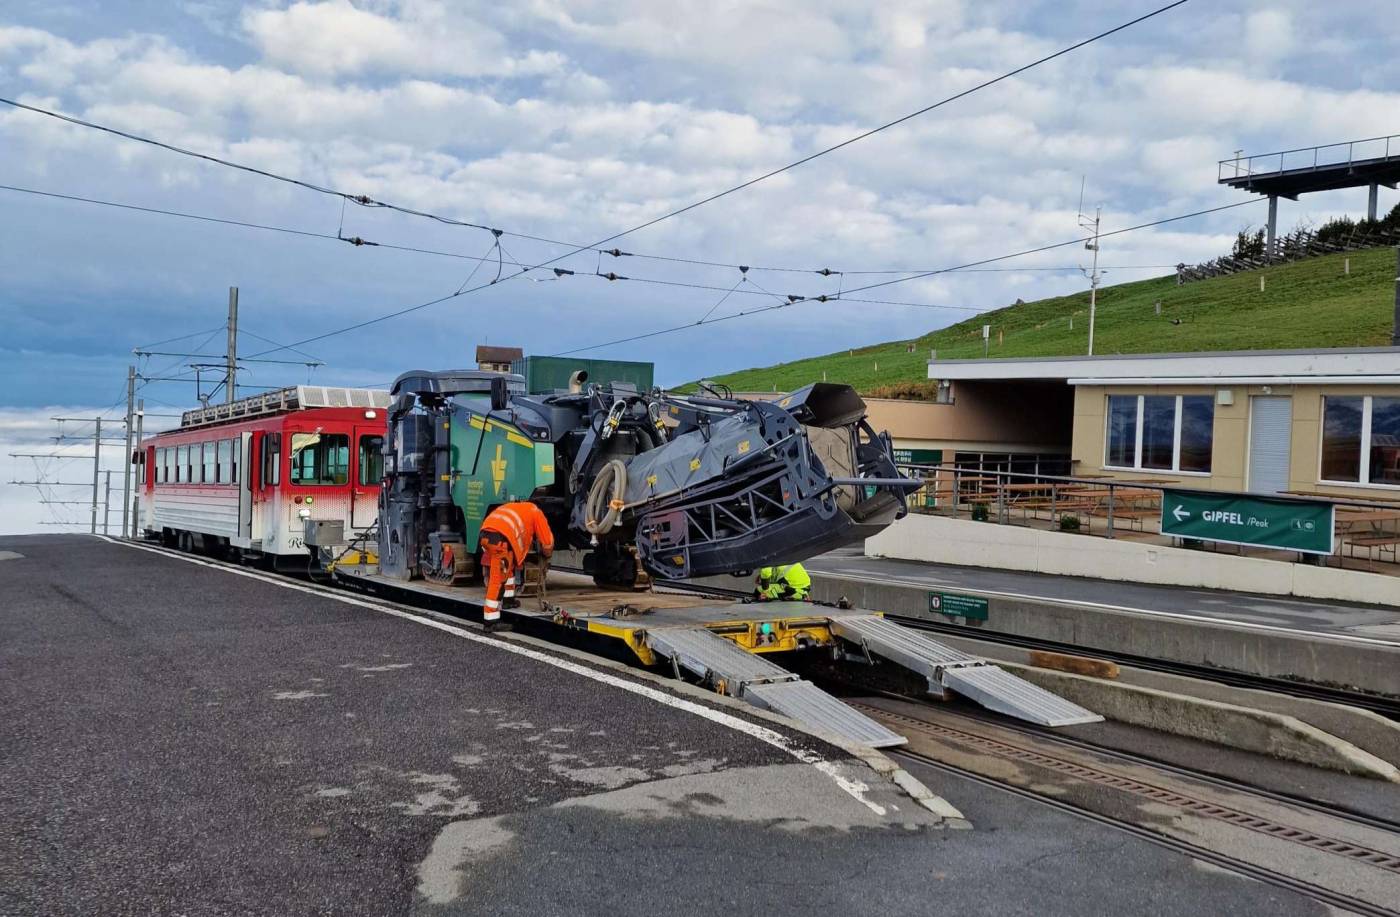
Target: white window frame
(1365, 446)
(1137, 444)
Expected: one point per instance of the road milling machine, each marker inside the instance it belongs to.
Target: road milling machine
(647, 484)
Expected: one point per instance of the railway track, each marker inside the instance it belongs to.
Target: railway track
(1276, 878)
(1162, 792)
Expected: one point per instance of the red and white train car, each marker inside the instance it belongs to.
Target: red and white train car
(248, 474)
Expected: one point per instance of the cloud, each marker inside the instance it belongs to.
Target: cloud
(336, 37)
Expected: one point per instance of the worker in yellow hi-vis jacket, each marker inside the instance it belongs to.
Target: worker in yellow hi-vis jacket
(789, 582)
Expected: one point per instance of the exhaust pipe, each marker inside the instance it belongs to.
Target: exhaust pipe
(576, 380)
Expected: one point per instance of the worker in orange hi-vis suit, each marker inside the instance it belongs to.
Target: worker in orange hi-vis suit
(507, 535)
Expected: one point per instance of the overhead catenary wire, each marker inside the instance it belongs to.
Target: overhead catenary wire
(440, 253)
(844, 298)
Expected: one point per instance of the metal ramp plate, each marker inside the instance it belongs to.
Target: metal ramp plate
(806, 703)
(757, 681)
(955, 670)
(712, 657)
(900, 645)
(1005, 693)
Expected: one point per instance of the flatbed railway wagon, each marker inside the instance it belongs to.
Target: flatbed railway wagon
(250, 478)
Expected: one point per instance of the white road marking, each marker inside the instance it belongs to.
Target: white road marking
(855, 788)
(1209, 619)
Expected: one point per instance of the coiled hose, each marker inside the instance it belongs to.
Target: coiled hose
(605, 504)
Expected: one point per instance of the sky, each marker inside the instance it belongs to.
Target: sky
(572, 121)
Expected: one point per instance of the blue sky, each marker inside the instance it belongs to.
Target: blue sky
(573, 120)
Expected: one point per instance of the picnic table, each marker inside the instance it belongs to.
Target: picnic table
(1364, 528)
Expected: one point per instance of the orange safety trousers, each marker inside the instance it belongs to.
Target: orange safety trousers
(499, 561)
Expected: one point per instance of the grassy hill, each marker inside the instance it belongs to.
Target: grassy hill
(1305, 304)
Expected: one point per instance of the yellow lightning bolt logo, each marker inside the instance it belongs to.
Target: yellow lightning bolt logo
(498, 470)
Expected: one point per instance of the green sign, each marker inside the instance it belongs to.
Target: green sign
(953, 605)
(918, 456)
(1293, 525)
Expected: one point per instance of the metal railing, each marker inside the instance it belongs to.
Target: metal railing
(1119, 505)
(1309, 159)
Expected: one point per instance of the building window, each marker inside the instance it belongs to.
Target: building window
(1385, 441)
(1197, 433)
(371, 460)
(320, 459)
(1160, 432)
(1348, 421)
(225, 469)
(1341, 438)
(1122, 430)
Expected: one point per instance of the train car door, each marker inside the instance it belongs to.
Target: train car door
(246, 459)
(369, 471)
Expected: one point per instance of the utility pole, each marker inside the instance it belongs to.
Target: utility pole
(230, 383)
(107, 503)
(96, 469)
(135, 514)
(126, 462)
(1093, 246)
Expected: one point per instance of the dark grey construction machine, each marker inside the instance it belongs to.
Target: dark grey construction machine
(646, 483)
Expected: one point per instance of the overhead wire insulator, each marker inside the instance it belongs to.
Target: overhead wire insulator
(792, 297)
(611, 276)
(356, 240)
(615, 252)
(364, 200)
(563, 272)
(827, 272)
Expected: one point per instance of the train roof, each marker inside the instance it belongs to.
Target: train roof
(284, 401)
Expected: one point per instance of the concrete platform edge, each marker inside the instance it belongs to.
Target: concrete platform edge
(1244, 728)
(1011, 547)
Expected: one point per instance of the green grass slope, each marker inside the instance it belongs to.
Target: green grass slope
(1305, 304)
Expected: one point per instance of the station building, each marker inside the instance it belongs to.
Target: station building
(1263, 421)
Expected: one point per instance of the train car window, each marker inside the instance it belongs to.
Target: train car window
(235, 451)
(211, 470)
(371, 459)
(182, 464)
(159, 471)
(272, 460)
(225, 466)
(320, 459)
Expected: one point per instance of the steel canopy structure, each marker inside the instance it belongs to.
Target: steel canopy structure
(1371, 163)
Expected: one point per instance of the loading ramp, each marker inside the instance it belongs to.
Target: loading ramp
(948, 669)
(750, 677)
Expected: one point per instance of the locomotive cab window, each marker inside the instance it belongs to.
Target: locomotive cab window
(371, 459)
(320, 459)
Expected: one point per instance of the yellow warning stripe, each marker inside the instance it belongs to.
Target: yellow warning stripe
(512, 434)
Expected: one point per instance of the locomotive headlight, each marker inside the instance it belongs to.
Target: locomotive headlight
(370, 415)
(304, 513)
